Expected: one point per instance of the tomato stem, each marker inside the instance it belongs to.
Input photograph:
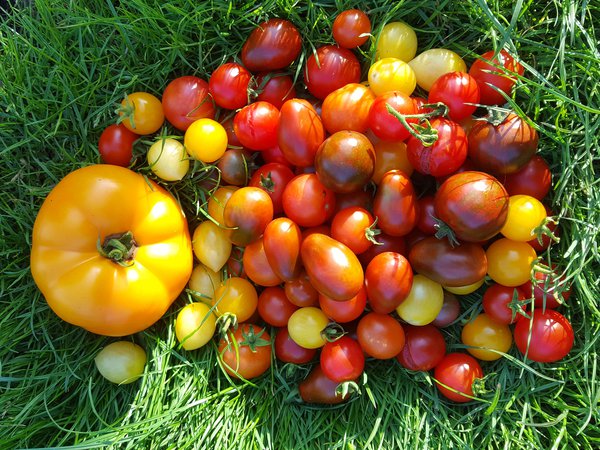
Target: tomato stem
(425, 133)
(371, 232)
(126, 110)
(544, 230)
(444, 231)
(332, 332)
(346, 388)
(119, 248)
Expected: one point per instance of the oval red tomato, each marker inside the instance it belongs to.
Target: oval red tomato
(388, 280)
(330, 68)
(454, 376)
(300, 132)
(272, 45)
(395, 204)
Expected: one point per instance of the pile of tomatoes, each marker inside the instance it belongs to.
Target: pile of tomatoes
(351, 215)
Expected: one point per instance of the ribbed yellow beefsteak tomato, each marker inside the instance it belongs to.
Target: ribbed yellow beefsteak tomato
(111, 250)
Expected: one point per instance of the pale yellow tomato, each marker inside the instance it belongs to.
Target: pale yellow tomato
(211, 245)
(433, 63)
(168, 159)
(121, 362)
(204, 282)
(396, 40)
(195, 325)
(464, 290)
(424, 302)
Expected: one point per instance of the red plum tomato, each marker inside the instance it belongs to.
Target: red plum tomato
(272, 45)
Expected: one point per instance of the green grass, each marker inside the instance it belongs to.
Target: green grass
(62, 71)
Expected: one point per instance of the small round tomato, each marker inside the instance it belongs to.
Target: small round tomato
(205, 140)
(353, 227)
(228, 86)
(396, 40)
(424, 348)
(142, 113)
(346, 311)
(256, 124)
(534, 179)
(423, 303)
(116, 145)
(495, 75)
(301, 292)
(433, 63)
(485, 337)
(256, 264)
(502, 303)
(454, 376)
(342, 360)
(525, 214)
(272, 178)
(236, 296)
(307, 201)
(318, 388)
(233, 166)
(195, 325)
(203, 282)
(121, 362)
(395, 204)
(383, 124)
(380, 335)
(272, 45)
(288, 351)
(547, 337)
(300, 132)
(211, 245)
(168, 159)
(386, 243)
(347, 108)
(449, 312)
(274, 307)
(388, 280)
(185, 100)
(282, 239)
(509, 262)
(351, 28)
(330, 68)
(306, 326)
(274, 88)
(246, 352)
(246, 215)
(391, 74)
(459, 91)
(426, 215)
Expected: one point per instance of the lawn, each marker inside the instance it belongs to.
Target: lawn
(65, 66)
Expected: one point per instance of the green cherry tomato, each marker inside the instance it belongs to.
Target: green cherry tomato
(121, 362)
(424, 302)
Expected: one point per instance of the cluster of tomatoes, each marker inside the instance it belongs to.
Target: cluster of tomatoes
(349, 218)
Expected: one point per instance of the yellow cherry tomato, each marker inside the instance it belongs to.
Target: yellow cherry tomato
(121, 362)
(391, 74)
(218, 200)
(509, 262)
(205, 140)
(211, 245)
(305, 326)
(396, 40)
(236, 296)
(433, 63)
(464, 290)
(195, 325)
(142, 113)
(204, 282)
(485, 333)
(168, 159)
(424, 302)
(525, 214)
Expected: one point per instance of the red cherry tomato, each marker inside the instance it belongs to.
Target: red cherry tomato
(347, 108)
(454, 376)
(288, 351)
(497, 300)
(330, 68)
(380, 335)
(282, 240)
(274, 307)
(272, 45)
(116, 145)
(395, 204)
(300, 132)
(547, 337)
(275, 88)
(344, 312)
(351, 28)
(301, 292)
(342, 360)
(533, 179)
(272, 178)
(228, 86)
(456, 90)
(424, 348)
(353, 227)
(492, 79)
(388, 279)
(256, 125)
(318, 388)
(383, 124)
(186, 99)
(449, 312)
(307, 201)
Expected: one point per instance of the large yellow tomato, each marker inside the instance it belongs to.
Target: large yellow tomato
(88, 270)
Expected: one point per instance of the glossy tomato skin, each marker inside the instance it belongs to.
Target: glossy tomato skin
(300, 132)
(228, 86)
(347, 108)
(90, 290)
(330, 68)
(351, 28)
(383, 124)
(483, 335)
(390, 155)
(423, 303)
(252, 357)
(256, 264)
(346, 311)
(116, 145)
(342, 360)
(446, 154)
(282, 240)
(233, 166)
(455, 90)
(450, 266)
(449, 312)
(487, 74)
(256, 125)
(307, 201)
(388, 279)
(551, 337)
(246, 214)
(333, 269)
(275, 88)
(301, 292)
(395, 204)
(272, 45)
(352, 227)
(318, 388)
(142, 113)
(534, 179)
(387, 243)
(186, 99)
(509, 262)
(380, 335)
(345, 161)
(272, 178)
(502, 149)
(426, 215)
(496, 303)
(288, 351)
(274, 307)
(473, 204)
(457, 371)
(423, 349)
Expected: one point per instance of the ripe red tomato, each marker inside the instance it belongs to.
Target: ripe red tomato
(318, 388)
(353, 226)
(488, 75)
(307, 201)
(301, 292)
(247, 352)
(388, 279)
(272, 45)
(446, 154)
(274, 307)
(426, 215)
(186, 99)
(380, 335)
(547, 337)
(330, 68)
(256, 265)
(395, 204)
(300, 132)
(275, 88)
(383, 124)
(497, 301)
(502, 149)
(272, 178)
(454, 376)
(351, 28)
(423, 349)
(473, 204)
(533, 179)
(455, 90)
(387, 243)
(256, 125)
(450, 311)
(288, 351)
(347, 108)
(282, 240)
(346, 311)
(345, 161)
(228, 86)
(116, 145)
(342, 360)
(246, 215)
